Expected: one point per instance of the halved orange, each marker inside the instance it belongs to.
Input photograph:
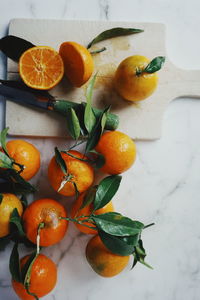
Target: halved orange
(41, 67)
(78, 62)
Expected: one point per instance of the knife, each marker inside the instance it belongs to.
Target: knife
(19, 93)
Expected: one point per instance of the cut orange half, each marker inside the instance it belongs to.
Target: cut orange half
(41, 67)
(78, 62)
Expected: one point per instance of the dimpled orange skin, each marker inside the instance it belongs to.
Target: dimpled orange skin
(25, 154)
(47, 211)
(82, 174)
(43, 278)
(8, 204)
(134, 87)
(78, 62)
(86, 211)
(102, 261)
(118, 150)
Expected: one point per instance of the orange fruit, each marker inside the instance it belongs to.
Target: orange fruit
(118, 150)
(78, 62)
(86, 211)
(80, 172)
(41, 67)
(102, 261)
(25, 154)
(130, 84)
(42, 280)
(47, 211)
(8, 204)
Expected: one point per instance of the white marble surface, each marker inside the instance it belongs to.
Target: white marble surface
(164, 184)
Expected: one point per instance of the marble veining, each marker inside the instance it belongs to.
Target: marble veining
(162, 187)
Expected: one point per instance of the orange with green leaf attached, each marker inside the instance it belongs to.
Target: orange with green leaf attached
(136, 78)
(103, 261)
(43, 278)
(48, 213)
(79, 174)
(77, 211)
(26, 155)
(119, 152)
(7, 204)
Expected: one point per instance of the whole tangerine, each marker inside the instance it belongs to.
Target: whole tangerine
(49, 213)
(119, 152)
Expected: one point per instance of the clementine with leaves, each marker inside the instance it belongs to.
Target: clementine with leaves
(49, 213)
(77, 211)
(136, 77)
(79, 174)
(103, 261)
(118, 150)
(43, 278)
(8, 203)
(25, 154)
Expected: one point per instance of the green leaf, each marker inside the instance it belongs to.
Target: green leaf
(107, 188)
(89, 197)
(16, 220)
(14, 265)
(139, 255)
(89, 116)
(155, 65)
(99, 161)
(119, 245)
(3, 136)
(97, 131)
(26, 270)
(24, 201)
(113, 32)
(5, 161)
(19, 183)
(116, 224)
(14, 47)
(73, 124)
(60, 161)
(1, 198)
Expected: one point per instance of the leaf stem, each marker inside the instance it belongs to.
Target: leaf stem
(31, 294)
(98, 50)
(151, 224)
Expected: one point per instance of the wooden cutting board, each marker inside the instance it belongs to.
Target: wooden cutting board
(141, 120)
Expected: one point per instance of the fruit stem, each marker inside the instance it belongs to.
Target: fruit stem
(22, 167)
(78, 222)
(40, 226)
(138, 72)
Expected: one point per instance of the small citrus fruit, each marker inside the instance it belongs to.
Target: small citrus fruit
(78, 62)
(80, 172)
(86, 211)
(25, 154)
(41, 67)
(131, 83)
(42, 280)
(48, 212)
(118, 150)
(8, 204)
(102, 261)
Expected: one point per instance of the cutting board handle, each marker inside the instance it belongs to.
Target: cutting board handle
(186, 83)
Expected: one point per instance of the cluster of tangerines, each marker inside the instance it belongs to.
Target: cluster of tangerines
(45, 221)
